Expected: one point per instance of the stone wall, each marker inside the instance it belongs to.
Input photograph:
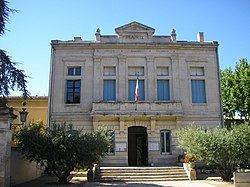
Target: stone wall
(6, 118)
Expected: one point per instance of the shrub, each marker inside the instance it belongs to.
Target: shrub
(61, 149)
(224, 148)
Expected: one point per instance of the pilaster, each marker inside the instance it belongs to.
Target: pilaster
(6, 118)
(121, 77)
(176, 78)
(150, 79)
(152, 124)
(97, 79)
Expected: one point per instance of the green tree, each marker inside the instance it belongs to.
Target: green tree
(236, 90)
(224, 148)
(10, 76)
(242, 88)
(62, 149)
(228, 93)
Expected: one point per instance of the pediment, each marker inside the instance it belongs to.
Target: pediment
(134, 28)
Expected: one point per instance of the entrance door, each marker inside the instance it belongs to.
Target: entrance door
(137, 146)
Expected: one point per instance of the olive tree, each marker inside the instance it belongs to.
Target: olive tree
(224, 148)
(62, 149)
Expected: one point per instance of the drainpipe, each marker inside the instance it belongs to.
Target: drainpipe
(219, 84)
(51, 74)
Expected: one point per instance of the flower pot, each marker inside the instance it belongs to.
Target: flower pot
(90, 176)
(192, 165)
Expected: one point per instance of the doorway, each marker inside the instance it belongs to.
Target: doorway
(137, 146)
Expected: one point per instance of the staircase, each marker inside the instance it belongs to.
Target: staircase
(140, 174)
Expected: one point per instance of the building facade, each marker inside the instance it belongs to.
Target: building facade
(92, 84)
(36, 106)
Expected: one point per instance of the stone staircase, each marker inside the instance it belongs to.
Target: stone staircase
(140, 174)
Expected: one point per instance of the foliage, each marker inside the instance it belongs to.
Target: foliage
(10, 76)
(236, 90)
(224, 148)
(61, 149)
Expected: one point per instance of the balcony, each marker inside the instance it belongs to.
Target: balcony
(167, 108)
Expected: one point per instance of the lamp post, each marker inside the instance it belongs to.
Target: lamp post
(23, 114)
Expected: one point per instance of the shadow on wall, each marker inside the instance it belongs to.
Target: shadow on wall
(22, 170)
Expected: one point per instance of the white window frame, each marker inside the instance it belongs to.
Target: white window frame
(164, 141)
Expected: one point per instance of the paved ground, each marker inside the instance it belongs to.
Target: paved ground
(49, 181)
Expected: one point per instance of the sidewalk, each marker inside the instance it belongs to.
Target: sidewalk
(49, 181)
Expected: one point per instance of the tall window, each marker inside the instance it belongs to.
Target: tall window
(198, 86)
(109, 90)
(165, 142)
(198, 91)
(131, 90)
(163, 93)
(73, 91)
(111, 149)
(74, 71)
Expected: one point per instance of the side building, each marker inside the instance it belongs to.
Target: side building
(92, 84)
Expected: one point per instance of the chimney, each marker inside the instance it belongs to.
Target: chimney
(77, 39)
(200, 37)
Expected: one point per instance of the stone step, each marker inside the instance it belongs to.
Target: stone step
(140, 174)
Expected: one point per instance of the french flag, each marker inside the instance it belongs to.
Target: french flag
(137, 91)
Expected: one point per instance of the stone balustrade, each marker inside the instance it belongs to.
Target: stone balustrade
(169, 108)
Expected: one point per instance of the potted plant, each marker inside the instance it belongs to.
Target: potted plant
(190, 160)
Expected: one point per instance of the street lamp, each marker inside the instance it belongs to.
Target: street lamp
(23, 114)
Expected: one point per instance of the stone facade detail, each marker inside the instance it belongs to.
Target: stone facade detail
(6, 118)
(183, 66)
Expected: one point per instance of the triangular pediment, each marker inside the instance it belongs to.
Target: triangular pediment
(133, 28)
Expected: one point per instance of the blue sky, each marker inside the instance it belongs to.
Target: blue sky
(36, 23)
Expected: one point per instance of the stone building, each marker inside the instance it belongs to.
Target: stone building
(92, 84)
(36, 106)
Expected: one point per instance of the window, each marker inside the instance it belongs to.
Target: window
(73, 91)
(196, 71)
(163, 93)
(198, 91)
(165, 142)
(111, 149)
(109, 71)
(136, 71)
(74, 71)
(162, 71)
(131, 90)
(109, 90)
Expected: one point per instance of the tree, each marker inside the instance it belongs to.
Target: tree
(228, 93)
(236, 90)
(242, 88)
(62, 149)
(223, 148)
(10, 76)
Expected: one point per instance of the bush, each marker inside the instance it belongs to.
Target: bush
(224, 148)
(62, 149)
